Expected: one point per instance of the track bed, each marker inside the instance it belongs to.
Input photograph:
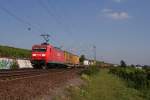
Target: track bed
(32, 88)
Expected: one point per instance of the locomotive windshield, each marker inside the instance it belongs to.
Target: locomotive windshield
(39, 50)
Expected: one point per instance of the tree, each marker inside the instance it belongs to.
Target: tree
(82, 58)
(132, 65)
(122, 63)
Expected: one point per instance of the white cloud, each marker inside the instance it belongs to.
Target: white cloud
(117, 15)
(118, 1)
(106, 10)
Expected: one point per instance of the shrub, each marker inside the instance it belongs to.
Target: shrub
(14, 65)
(136, 78)
(92, 70)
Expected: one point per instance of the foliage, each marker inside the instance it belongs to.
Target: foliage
(122, 63)
(146, 68)
(136, 78)
(14, 65)
(91, 70)
(103, 86)
(12, 52)
(81, 59)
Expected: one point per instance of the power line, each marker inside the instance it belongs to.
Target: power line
(22, 20)
(42, 4)
(27, 23)
(19, 19)
(56, 17)
(68, 30)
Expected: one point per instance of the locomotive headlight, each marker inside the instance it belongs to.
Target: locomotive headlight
(43, 55)
(33, 54)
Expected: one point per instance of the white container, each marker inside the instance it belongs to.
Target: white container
(86, 62)
(24, 63)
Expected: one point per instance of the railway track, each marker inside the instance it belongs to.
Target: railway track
(38, 83)
(8, 75)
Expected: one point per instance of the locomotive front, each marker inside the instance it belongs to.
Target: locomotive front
(39, 56)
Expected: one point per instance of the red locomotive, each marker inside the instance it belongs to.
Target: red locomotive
(44, 55)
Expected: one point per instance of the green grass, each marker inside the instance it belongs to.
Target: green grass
(6, 51)
(135, 78)
(91, 70)
(104, 86)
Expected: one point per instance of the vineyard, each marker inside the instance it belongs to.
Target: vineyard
(135, 78)
(6, 51)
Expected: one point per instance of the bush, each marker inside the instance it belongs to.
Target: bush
(14, 65)
(136, 78)
(92, 70)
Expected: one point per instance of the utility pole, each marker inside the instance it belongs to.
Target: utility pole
(94, 50)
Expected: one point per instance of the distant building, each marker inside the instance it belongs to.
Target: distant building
(86, 62)
(138, 67)
(116, 65)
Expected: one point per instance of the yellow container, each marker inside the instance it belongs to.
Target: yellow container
(71, 58)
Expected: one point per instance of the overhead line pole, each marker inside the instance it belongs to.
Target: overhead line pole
(94, 49)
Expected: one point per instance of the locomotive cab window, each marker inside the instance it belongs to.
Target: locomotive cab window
(39, 50)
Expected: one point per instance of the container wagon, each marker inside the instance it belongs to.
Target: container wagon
(71, 59)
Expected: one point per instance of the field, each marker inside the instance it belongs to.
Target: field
(104, 86)
(6, 51)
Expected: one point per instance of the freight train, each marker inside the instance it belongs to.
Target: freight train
(45, 55)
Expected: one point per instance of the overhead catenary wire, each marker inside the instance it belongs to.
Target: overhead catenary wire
(50, 13)
(42, 4)
(68, 30)
(21, 20)
(29, 25)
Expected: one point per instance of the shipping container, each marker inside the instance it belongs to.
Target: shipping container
(71, 58)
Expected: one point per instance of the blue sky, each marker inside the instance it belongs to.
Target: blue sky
(120, 29)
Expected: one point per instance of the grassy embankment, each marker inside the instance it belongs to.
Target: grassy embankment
(135, 78)
(11, 52)
(103, 86)
(6, 51)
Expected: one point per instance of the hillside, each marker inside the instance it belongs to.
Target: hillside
(12, 52)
